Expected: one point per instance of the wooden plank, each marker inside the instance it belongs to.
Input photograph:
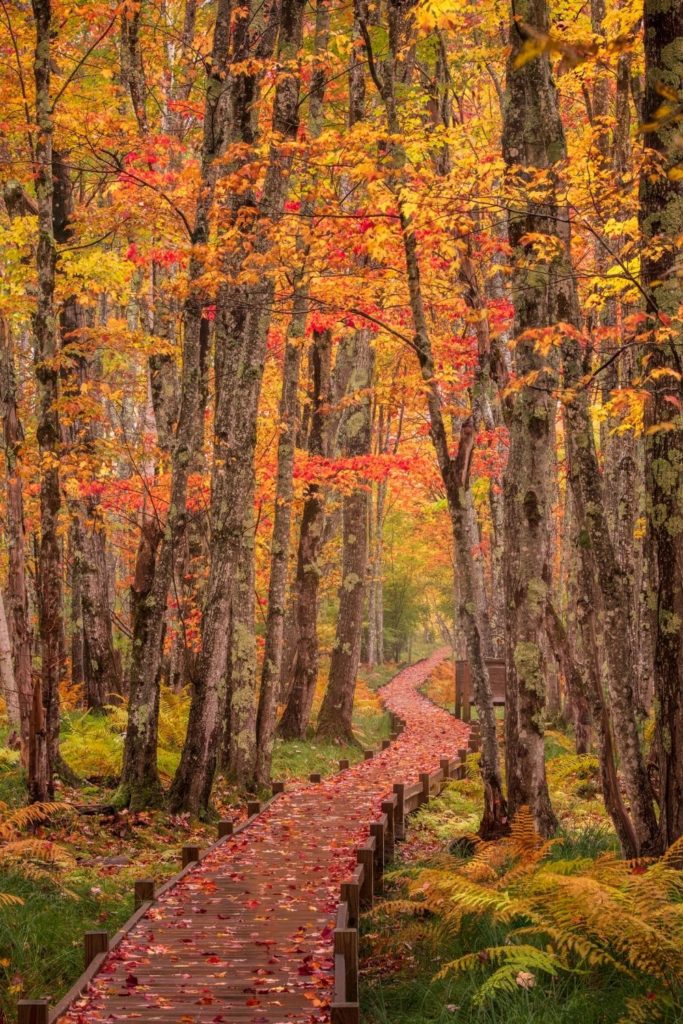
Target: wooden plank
(389, 810)
(345, 1013)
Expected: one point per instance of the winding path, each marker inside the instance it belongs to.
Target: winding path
(246, 935)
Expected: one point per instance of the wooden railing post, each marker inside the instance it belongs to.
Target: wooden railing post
(189, 855)
(350, 894)
(315, 777)
(346, 945)
(424, 779)
(33, 1011)
(365, 855)
(368, 755)
(253, 807)
(225, 828)
(377, 832)
(94, 943)
(343, 764)
(389, 808)
(445, 768)
(400, 828)
(278, 787)
(386, 744)
(143, 891)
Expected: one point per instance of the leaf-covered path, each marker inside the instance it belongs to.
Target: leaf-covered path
(247, 935)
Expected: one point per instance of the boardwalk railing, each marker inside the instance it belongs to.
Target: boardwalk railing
(357, 894)
(96, 945)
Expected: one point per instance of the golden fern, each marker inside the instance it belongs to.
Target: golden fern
(35, 860)
(587, 914)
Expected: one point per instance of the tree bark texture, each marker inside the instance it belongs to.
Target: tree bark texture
(335, 718)
(661, 216)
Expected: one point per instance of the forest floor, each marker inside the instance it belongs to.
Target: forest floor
(479, 913)
(41, 940)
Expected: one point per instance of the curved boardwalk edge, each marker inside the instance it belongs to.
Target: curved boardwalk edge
(271, 900)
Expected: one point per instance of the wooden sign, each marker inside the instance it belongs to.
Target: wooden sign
(464, 691)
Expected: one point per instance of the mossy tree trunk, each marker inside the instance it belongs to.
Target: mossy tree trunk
(530, 416)
(296, 715)
(243, 312)
(335, 718)
(43, 736)
(534, 142)
(289, 428)
(16, 596)
(661, 217)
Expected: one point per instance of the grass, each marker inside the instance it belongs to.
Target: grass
(41, 952)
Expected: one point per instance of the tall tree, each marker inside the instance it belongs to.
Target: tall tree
(158, 546)
(661, 216)
(454, 469)
(289, 416)
(335, 717)
(530, 417)
(43, 739)
(243, 312)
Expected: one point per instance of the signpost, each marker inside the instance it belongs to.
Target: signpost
(464, 690)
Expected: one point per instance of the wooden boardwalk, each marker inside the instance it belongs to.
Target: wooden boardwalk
(247, 933)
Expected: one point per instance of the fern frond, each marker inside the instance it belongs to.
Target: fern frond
(9, 900)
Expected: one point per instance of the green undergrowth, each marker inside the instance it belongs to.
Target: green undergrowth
(614, 957)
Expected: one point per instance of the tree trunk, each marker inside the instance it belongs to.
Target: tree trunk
(335, 718)
(296, 715)
(661, 216)
(530, 417)
(43, 752)
(17, 591)
(289, 415)
(454, 470)
(155, 559)
(242, 689)
(243, 314)
(100, 663)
